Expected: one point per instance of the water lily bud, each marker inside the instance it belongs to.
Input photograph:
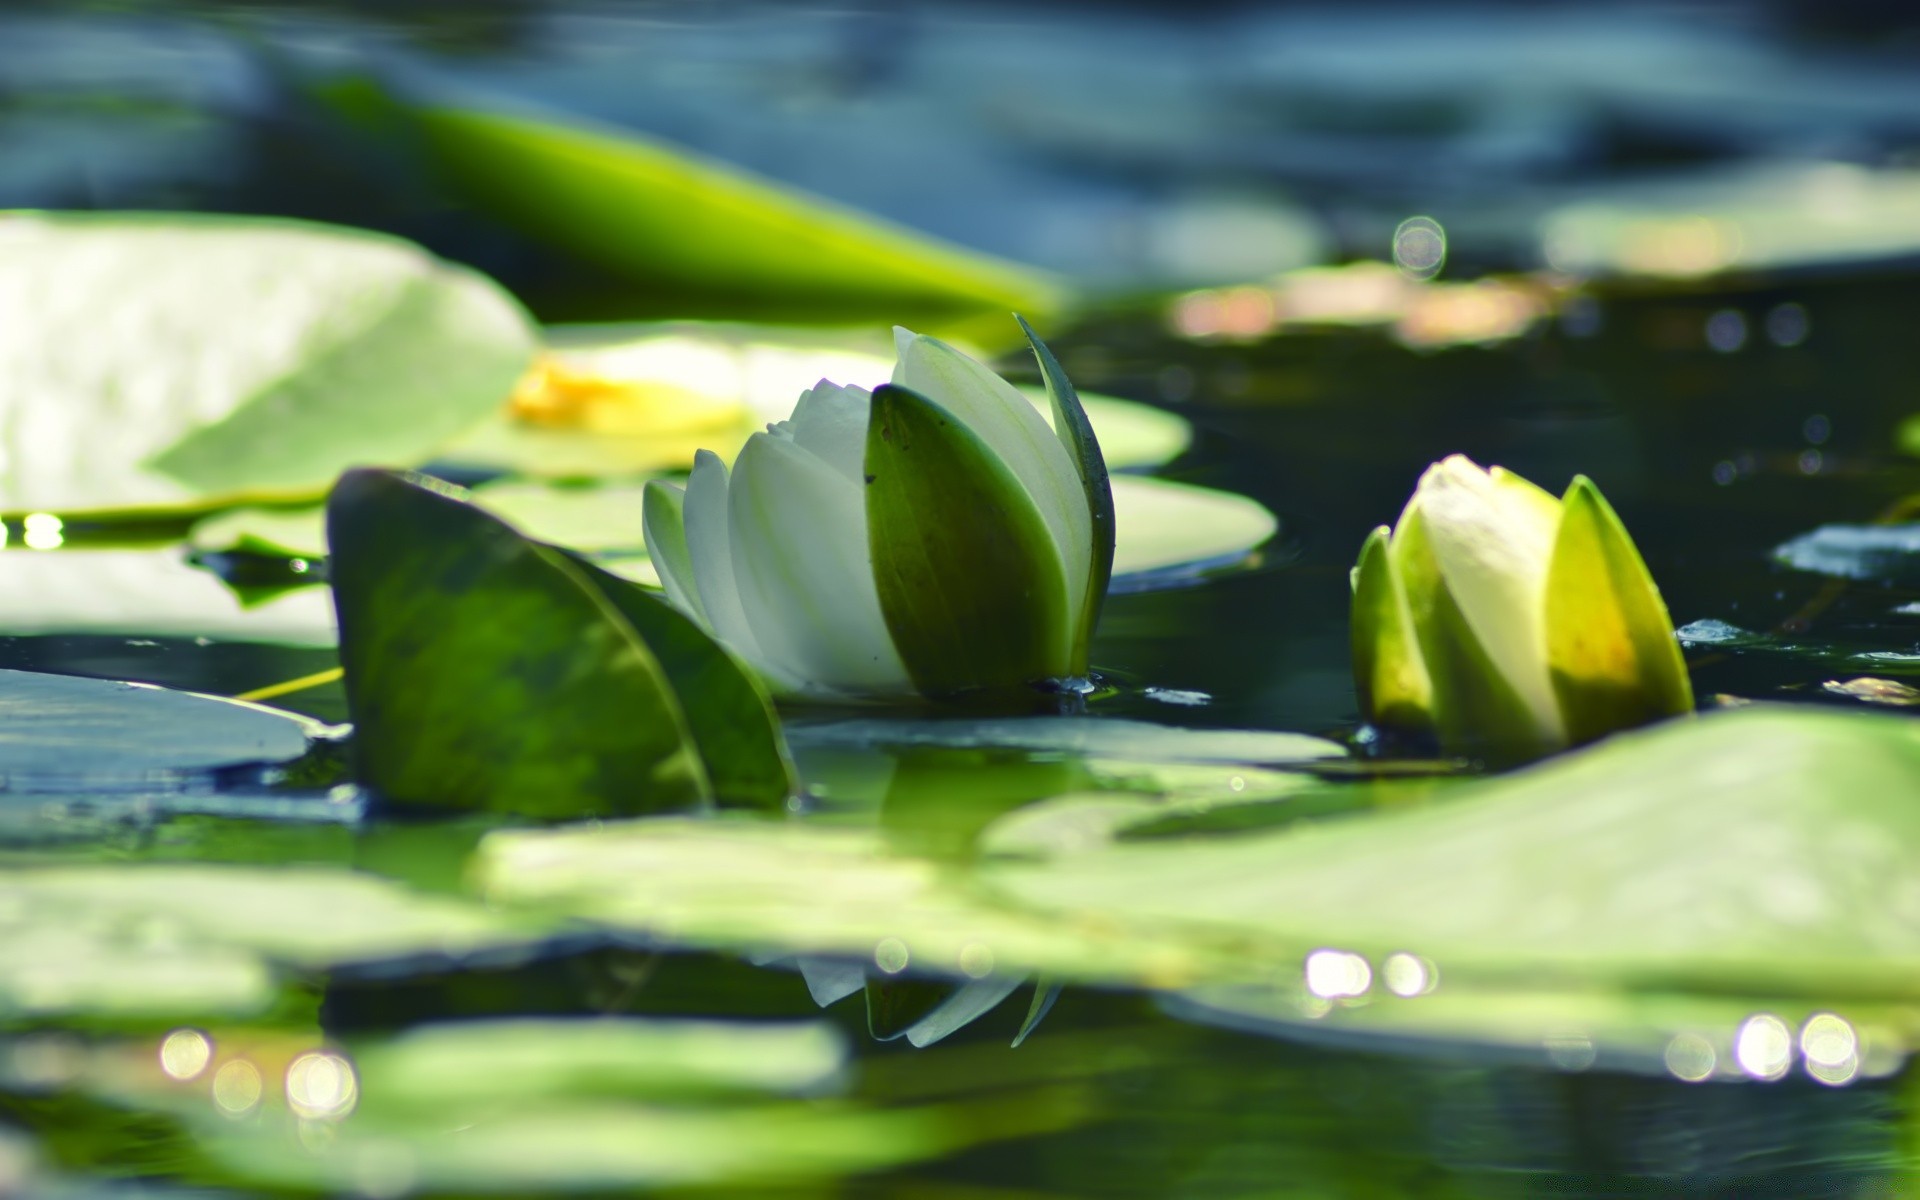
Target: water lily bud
(932, 537)
(1508, 624)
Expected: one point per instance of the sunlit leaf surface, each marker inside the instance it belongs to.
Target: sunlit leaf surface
(158, 942)
(59, 733)
(484, 671)
(162, 360)
(658, 214)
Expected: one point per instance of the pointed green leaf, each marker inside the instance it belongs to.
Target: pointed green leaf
(483, 671)
(1610, 643)
(1076, 434)
(723, 240)
(1476, 711)
(1045, 993)
(728, 712)
(1389, 677)
(970, 582)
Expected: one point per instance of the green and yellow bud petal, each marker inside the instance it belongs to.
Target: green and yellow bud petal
(1389, 675)
(1610, 644)
(971, 582)
(1477, 710)
(1491, 535)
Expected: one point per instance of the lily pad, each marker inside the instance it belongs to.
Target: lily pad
(594, 519)
(1888, 553)
(184, 360)
(155, 593)
(1103, 737)
(61, 733)
(814, 890)
(483, 1063)
(175, 941)
(1759, 853)
(1173, 533)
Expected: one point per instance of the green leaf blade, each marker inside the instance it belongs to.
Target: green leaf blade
(971, 583)
(728, 713)
(485, 672)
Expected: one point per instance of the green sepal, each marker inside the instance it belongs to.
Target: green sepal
(1476, 712)
(485, 671)
(1389, 676)
(728, 712)
(1075, 431)
(970, 581)
(1610, 646)
(1045, 992)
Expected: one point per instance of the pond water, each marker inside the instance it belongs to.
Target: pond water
(323, 1036)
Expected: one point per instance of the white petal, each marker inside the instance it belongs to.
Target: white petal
(831, 421)
(663, 523)
(799, 531)
(709, 546)
(1008, 422)
(1492, 535)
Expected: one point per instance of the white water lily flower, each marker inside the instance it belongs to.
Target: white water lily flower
(1508, 623)
(933, 536)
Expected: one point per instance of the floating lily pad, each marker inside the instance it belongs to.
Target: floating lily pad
(595, 519)
(1888, 553)
(482, 1063)
(813, 890)
(156, 593)
(189, 940)
(1102, 737)
(1757, 852)
(173, 360)
(1769, 219)
(1172, 533)
(61, 733)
